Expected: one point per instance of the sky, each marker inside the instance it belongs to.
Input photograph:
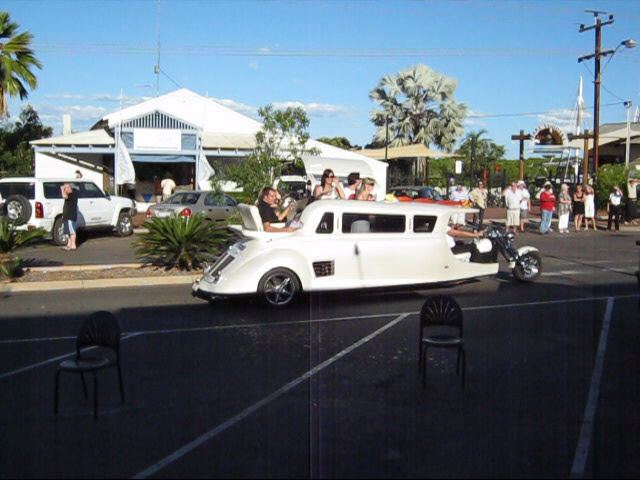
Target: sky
(516, 62)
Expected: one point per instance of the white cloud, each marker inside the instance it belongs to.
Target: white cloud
(254, 65)
(316, 109)
(64, 96)
(238, 107)
(565, 118)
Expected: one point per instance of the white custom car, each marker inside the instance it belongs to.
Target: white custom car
(342, 244)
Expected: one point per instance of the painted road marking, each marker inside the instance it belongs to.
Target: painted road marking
(586, 432)
(182, 451)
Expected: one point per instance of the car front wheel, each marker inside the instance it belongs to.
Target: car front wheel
(124, 226)
(279, 287)
(529, 268)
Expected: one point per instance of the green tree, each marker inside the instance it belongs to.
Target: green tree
(16, 155)
(419, 107)
(484, 151)
(16, 63)
(280, 145)
(340, 142)
(608, 176)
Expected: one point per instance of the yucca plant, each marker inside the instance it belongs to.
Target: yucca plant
(180, 242)
(10, 240)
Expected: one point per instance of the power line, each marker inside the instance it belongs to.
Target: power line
(528, 114)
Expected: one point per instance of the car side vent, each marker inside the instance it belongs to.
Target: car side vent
(323, 269)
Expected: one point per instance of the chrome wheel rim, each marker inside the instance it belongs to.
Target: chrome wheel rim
(279, 289)
(14, 210)
(530, 267)
(125, 224)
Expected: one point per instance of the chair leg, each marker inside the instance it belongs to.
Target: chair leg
(464, 365)
(121, 385)
(84, 385)
(55, 394)
(95, 395)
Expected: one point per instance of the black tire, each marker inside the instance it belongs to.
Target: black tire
(529, 268)
(58, 234)
(18, 209)
(279, 287)
(124, 227)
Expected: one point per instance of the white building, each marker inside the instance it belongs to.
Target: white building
(181, 133)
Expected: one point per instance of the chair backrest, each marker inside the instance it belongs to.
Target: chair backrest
(251, 219)
(361, 226)
(441, 310)
(99, 329)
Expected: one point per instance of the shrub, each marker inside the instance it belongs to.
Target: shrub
(182, 242)
(11, 238)
(10, 267)
(608, 176)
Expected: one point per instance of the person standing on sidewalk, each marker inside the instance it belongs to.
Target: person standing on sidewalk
(589, 208)
(614, 207)
(69, 214)
(479, 198)
(578, 207)
(512, 199)
(525, 203)
(547, 205)
(564, 207)
(460, 194)
(632, 200)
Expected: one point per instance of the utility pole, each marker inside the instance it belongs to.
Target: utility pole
(627, 104)
(596, 83)
(521, 137)
(473, 157)
(585, 161)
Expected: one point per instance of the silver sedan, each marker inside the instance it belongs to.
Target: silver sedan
(213, 205)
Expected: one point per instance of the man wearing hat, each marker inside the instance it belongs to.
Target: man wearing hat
(512, 199)
(525, 203)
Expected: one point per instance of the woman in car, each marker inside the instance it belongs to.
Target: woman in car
(365, 190)
(330, 187)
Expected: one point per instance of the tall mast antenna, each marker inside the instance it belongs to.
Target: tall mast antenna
(156, 69)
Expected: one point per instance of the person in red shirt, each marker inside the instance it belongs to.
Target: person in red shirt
(547, 205)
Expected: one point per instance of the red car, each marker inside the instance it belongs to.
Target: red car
(421, 194)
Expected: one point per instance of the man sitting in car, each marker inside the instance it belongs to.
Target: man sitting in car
(267, 205)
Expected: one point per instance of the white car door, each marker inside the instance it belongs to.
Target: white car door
(93, 205)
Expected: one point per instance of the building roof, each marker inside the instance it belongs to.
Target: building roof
(91, 137)
(190, 107)
(405, 151)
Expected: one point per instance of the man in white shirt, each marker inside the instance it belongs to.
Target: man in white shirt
(512, 200)
(525, 203)
(460, 194)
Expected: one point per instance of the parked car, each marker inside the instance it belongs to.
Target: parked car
(341, 245)
(215, 206)
(37, 202)
(420, 194)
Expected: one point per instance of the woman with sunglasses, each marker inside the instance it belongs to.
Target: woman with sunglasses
(365, 190)
(330, 187)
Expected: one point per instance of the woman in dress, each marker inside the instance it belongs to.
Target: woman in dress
(330, 187)
(589, 208)
(578, 207)
(365, 190)
(564, 207)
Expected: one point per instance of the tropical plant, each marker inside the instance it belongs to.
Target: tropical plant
(11, 267)
(417, 106)
(280, 143)
(483, 151)
(11, 238)
(16, 61)
(340, 142)
(180, 242)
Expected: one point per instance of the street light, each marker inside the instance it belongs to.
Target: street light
(629, 43)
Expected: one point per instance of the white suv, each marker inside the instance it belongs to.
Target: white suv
(37, 202)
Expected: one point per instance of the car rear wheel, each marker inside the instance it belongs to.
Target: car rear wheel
(279, 287)
(124, 227)
(18, 209)
(58, 234)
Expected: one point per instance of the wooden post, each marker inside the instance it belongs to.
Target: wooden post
(585, 161)
(521, 137)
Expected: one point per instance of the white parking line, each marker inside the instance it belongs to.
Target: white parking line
(586, 432)
(266, 400)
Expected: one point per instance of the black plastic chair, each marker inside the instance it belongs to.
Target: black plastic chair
(100, 329)
(441, 327)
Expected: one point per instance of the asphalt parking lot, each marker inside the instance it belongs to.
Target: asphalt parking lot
(330, 388)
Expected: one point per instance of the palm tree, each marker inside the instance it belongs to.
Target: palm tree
(418, 107)
(16, 62)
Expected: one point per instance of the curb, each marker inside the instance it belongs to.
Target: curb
(99, 283)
